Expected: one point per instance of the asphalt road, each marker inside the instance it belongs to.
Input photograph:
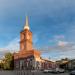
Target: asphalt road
(28, 73)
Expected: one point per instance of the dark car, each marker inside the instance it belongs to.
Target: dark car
(72, 72)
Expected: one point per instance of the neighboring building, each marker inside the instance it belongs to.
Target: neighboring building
(63, 63)
(71, 64)
(67, 64)
(27, 57)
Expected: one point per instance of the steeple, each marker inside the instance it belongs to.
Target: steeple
(26, 24)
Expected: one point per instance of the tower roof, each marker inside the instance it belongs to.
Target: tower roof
(26, 24)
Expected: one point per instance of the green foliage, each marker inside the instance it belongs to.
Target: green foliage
(8, 61)
(1, 65)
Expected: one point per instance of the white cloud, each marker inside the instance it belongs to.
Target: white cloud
(13, 45)
(61, 50)
(62, 43)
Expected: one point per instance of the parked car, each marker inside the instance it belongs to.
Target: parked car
(72, 72)
(47, 70)
(58, 70)
(61, 70)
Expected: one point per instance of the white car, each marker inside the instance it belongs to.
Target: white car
(48, 71)
(58, 70)
(61, 70)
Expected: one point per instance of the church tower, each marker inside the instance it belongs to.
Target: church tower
(26, 37)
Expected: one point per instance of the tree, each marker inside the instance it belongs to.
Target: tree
(8, 61)
(1, 65)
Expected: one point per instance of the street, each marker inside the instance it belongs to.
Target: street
(28, 73)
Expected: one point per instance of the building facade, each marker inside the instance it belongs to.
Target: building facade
(27, 57)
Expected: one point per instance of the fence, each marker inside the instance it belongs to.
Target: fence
(23, 72)
(20, 72)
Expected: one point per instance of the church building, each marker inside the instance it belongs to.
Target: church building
(27, 57)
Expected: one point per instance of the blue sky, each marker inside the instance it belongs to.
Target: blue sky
(51, 21)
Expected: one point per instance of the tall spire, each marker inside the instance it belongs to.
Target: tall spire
(27, 24)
